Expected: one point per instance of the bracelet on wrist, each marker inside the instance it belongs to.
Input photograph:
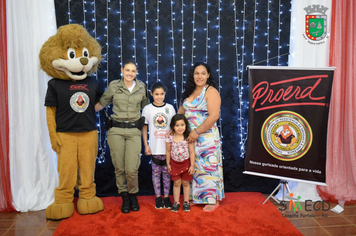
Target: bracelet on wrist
(197, 131)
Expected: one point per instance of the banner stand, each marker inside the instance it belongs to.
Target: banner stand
(287, 123)
(283, 183)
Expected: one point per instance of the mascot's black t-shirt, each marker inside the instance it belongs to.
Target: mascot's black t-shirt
(75, 101)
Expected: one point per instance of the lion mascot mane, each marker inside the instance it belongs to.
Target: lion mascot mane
(69, 57)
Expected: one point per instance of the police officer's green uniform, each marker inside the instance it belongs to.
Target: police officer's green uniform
(124, 141)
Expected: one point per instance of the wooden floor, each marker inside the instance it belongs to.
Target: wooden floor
(314, 222)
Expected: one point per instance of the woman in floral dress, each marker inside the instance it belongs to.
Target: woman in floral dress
(200, 103)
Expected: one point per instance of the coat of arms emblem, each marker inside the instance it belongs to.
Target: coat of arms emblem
(315, 22)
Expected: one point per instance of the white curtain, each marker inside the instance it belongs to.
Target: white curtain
(32, 162)
(305, 54)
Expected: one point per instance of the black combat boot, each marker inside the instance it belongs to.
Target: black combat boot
(125, 202)
(134, 202)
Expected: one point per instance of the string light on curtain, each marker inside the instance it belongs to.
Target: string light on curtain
(279, 31)
(146, 47)
(173, 56)
(239, 82)
(120, 23)
(157, 39)
(240, 86)
(106, 34)
(84, 12)
(235, 43)
(193, 34)
(102, 145)
(146, 56)
(89, 9)
(94, 18)
(267, 33)
(243, 39)
(183, 47)
(219, 63)
(207, 32)
(69, 16)
(254, 33)
(134, 28)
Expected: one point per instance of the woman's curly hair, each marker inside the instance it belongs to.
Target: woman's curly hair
(190, 84)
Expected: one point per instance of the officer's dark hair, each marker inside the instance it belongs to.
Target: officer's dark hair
(178, 117)
(157, 85)
(129, 61)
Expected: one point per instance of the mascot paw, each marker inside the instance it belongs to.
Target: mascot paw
(90, 206)
(57, 211)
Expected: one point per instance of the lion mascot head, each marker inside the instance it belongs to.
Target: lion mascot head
(72, 53)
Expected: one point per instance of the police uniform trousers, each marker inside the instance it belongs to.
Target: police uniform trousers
(125, 149)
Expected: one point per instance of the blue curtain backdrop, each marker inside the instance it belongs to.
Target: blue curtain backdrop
(166, 38)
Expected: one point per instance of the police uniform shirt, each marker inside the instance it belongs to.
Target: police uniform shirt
(75, 101)
(126, 105)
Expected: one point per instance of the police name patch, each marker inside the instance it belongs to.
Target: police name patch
(286, 135)
(79, 102)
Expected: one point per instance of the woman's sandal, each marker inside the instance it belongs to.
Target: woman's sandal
(210, 208)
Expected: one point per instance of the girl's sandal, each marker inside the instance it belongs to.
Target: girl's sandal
(210, 208)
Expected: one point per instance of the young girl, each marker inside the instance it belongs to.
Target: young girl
(157, 116)
(180, 160)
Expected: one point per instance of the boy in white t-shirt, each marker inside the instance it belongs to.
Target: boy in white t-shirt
(157, 117)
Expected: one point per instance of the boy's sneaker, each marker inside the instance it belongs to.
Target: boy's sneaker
(159, 203)
(167, 203)
(175, 207)
(186, 207)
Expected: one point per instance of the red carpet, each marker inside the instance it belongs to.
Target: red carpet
(240, 213)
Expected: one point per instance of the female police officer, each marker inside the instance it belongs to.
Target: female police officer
(128, 96)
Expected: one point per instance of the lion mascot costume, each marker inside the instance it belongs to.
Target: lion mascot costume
(68, 57)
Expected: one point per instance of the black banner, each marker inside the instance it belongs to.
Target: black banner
(288, 118)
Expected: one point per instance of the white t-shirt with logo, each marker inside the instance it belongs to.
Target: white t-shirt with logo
(158, 120)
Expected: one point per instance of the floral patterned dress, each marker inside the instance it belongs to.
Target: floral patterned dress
(207, 184)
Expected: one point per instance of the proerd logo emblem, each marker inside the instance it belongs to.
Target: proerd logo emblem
(79, 102)
(160, 121)
(286, 135)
